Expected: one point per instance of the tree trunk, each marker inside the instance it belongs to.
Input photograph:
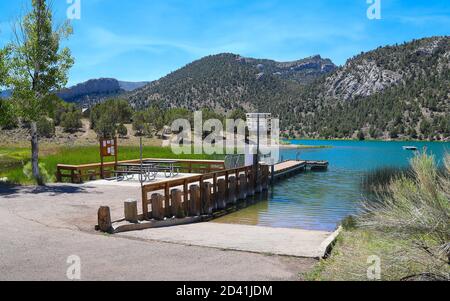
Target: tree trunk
(35, 154)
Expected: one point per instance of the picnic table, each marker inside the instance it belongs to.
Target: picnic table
(126, 171)
(166, 166)
(148, 170)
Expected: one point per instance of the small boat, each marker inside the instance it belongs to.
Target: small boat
(410, 148)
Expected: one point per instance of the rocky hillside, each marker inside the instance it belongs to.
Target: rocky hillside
(96, 90)
(400, 91)
(227, 81)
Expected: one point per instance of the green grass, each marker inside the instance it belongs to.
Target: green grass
(399, 258)
(12, 160)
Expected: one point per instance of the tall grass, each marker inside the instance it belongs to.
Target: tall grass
(376, 181)
(416, 207)
(80, 155)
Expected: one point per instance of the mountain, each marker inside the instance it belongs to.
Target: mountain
(398, 91)
(96, 90)
(302, 71)
(227, 81)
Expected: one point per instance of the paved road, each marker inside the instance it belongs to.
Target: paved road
(41, 228)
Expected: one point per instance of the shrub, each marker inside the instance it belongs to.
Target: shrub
(46, 128)
(46, 177)
(349, 223)
(416, 208)
(105, 126)
(71, 121)
(361, 136)
(139, 123)
(148, 130)
(122, 131)
(119, 111)
(7, 119)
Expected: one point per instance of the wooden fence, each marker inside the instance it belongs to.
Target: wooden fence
(203, 194)
(87, 172)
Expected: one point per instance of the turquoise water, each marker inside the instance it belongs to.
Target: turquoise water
(320, 200)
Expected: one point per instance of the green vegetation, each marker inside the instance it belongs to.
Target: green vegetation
(105, 117)
(122, 130)
(349, 259)
(345, 103)
(36, 66)
(414, 108)
(45, 128)
(13, 160)
(407, 227)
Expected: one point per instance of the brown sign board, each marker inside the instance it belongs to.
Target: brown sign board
(108, 147)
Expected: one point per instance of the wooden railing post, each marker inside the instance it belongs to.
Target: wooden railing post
(214, 197)
(232, 198)
(258, 175)
(158, 211)
(177, 205)
(186, 196)
(265, 177)
(131, 211)
(167, 200)
(195, 202)
(145, 204)
(251, 183)
(206, 199)
(104, 219)
(58, 175)
(242, 187)
(221, 194)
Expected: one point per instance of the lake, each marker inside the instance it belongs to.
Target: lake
(320, 200)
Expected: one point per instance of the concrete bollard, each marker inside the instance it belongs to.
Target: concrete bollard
(177, 204)
(195, 201)
(158, 210)
(232, 189)
(242, 187)
(206, 199)
(131, 211)
(104, 219)
(221, 194)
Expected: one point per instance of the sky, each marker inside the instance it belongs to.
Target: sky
(143, 40)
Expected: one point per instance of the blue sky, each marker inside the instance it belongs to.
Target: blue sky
(138, 40)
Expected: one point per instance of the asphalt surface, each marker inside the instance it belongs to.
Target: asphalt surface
(42, 228)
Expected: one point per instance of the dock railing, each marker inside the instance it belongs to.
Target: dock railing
(79, 173)
(203, 194)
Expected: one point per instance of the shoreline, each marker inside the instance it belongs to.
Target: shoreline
(298, 146)
(366, 140)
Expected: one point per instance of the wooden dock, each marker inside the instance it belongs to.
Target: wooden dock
(203, 196)
(288, 168)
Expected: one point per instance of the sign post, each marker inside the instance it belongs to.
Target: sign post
(108, 148)
(259, 122)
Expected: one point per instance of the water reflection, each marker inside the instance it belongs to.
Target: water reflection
(320, 200)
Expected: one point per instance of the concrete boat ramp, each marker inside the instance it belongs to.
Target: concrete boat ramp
(255, 239)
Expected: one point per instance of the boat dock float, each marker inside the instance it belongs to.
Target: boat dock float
(292, 167)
